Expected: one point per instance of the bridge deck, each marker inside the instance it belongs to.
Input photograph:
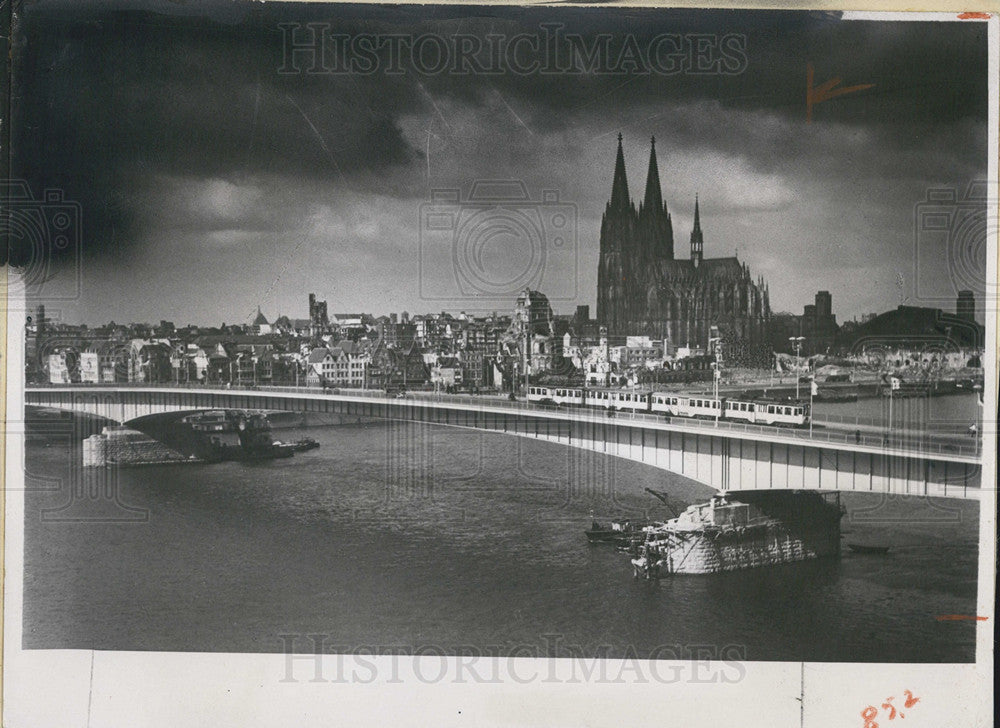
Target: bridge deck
(863, 438)
(723, 455)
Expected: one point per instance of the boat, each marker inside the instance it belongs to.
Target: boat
(625, 532)
(859, 548)
(264, 451)
(740, 532)
(620, 532)
(305, 444)
(254, 441)
(907, 389)
(838, 396)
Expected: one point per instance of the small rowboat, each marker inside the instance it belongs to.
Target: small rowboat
(859, 548)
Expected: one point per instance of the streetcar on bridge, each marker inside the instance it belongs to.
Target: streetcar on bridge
(672, 404)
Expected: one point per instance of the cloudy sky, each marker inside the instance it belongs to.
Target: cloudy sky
(213, 177)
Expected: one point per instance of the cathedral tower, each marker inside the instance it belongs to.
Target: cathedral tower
(618, 251)
(643, 290)
(655, 226)
(697, 241)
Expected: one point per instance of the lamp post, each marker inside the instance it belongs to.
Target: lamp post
(893, 385)
(527, 358)
(812, 391)
(797, 343)
(716, 375)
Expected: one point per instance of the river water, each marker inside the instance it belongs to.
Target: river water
(950, 413)
(401, 537)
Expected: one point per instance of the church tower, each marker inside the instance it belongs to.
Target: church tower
(655, 226)
(618, 249)
(697, 242)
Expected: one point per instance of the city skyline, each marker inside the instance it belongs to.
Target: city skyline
(264, 184)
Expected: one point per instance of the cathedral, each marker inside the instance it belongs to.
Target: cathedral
(643, 290)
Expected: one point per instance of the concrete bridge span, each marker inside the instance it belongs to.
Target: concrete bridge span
(724, 456)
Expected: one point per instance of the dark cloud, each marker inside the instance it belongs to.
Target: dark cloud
(121, 106)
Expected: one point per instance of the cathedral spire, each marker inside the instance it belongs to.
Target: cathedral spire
(619, 189)
(697, 242)
(654, 198)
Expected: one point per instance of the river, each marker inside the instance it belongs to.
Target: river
(398, 536)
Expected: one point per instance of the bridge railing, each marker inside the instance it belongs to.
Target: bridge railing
(954, 427)
(922, 443)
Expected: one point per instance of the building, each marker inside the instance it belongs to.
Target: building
(318, 365)
(394, 333)
(342, 365)
(817, 326)
(254, 364)
(317, 313)
(642, 289)
(149, 360)
(397, 367)
(189, 363)
(261, 327)
(966, 306)
(533, 325)
(447, 372)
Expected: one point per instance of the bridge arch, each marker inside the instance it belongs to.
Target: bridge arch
(725, 458)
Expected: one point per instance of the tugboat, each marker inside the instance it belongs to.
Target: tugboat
(620, 532)
(726, 534)
(624, 532)
(255, 440)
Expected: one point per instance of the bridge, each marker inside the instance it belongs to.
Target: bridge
(723, 455)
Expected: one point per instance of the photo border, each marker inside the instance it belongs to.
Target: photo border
(60, 687)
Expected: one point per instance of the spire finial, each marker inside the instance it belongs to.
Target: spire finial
(619, 137)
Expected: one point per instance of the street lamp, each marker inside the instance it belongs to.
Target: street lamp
(714, 343)
(797, 343)
(813, 387)
(527, 358)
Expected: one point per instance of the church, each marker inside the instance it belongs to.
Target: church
(643, 290)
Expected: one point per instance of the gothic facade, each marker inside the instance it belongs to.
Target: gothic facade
(643, 290)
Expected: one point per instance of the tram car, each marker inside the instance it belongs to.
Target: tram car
(750, 411)
(618, 399)
(681, 405)
(791, 414)
(557, 395)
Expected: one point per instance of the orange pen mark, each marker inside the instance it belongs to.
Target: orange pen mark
(869, 714)
(957, 617)
(974, 16)
(825, 91)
